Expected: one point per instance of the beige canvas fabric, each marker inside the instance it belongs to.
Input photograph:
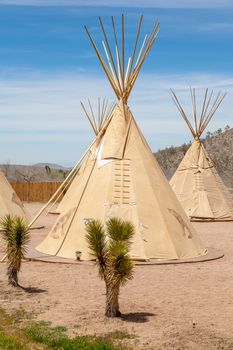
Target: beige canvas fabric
(123, 179)
(199, 188)
(9, 201)
(69, 199)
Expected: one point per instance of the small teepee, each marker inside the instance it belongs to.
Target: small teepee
(9, 201)
(196, 182)
(122, 178)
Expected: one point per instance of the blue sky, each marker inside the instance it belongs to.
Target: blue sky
(47, 66)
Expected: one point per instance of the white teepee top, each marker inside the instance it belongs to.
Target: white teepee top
(209, 107)
(100, 116)
(122, 77)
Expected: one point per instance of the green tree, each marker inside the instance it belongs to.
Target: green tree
(110, 248)
(15, 233)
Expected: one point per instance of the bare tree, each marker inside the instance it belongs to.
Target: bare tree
(48, 169)
(25, 176)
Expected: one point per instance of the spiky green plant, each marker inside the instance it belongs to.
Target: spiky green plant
(110, 248)
(15, 232)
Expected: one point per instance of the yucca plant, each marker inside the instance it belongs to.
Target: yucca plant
(109, 246)
(15, 232)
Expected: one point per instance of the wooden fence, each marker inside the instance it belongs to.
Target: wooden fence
(35, 191)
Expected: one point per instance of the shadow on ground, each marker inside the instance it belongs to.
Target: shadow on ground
(33, 290)
(138, 317)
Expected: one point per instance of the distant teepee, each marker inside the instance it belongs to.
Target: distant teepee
(99, 119)
(196, 181)
(9, 201)
(121, 178)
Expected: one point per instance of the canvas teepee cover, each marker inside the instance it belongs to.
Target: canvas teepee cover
(122, 178)
(196, 181)
(98, 120)
(9, 201)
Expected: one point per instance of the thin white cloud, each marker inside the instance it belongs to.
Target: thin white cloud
(124, 3)
(216, 27)
(41, 120)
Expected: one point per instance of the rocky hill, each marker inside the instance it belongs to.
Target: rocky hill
(34, 173)
(219, 146)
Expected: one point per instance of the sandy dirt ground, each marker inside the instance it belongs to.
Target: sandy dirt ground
(170, 307)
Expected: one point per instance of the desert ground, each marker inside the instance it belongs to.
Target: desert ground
(169, 307)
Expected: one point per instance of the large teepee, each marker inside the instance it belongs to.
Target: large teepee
(196, 181)
(9, 201)
(122, 177)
